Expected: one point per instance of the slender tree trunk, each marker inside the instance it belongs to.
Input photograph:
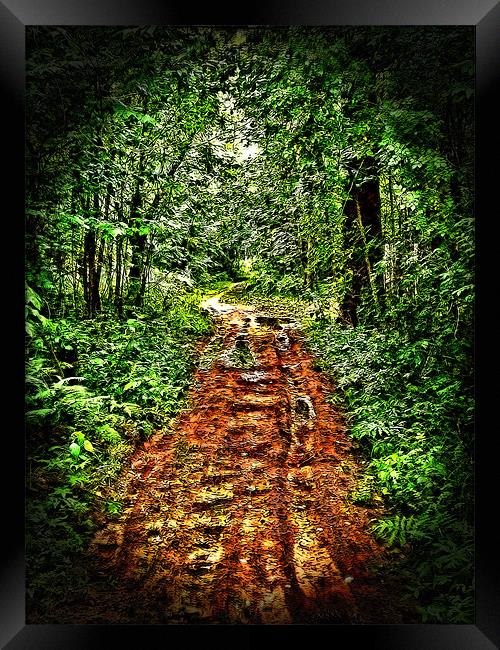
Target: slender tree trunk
(137, 242)
(100, 252)
(109, 273)
(85, 261)
(145, 271)
(118, 275)
(92, 260)
(117, 298)
(89, 266)
(94, 265)
(75, 271)
(369, 272)
(98, 272)
(391, 204)
(134, 293)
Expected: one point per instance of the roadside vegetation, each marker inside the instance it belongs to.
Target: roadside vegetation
(322, 172)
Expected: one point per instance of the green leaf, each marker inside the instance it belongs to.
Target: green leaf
(88, 446)
(75, 449)
(80, 437)
(33, 298)
(39, 414)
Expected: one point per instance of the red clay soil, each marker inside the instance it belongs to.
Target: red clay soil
(242, 514)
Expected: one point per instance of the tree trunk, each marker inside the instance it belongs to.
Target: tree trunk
(368, 258)
(89, 271)
(352, 297)
(145, 270)
(97, 275)
(134, 294)
(100, 253)
(119, 264)
(137, 242)
(94, 266)
(364, 241)
(109, 273)
(85, 264)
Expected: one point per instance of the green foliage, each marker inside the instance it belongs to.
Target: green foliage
(126, 379)
(397, 530)
(407, 404)
(364, 492)
(329, 166)
(113, 508)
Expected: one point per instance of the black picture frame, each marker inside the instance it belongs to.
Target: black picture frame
(15, 15)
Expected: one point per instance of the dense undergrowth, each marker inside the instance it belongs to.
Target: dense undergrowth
(410, 409)
(95, 389)
(99, 387)
(331, 168)
(409, 413)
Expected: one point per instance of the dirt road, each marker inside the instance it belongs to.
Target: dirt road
(242, 514)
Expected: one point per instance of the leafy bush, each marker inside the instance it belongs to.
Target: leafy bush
(94, 389)
(411, 411)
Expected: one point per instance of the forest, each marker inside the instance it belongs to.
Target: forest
(300, 191)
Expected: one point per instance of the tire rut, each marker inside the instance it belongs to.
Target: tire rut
(242, 515)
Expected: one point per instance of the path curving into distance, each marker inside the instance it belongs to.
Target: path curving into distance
(241, 514)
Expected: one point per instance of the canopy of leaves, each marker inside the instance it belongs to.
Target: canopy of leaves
(332, 164)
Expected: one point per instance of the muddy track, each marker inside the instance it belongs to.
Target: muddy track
(242, 513)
